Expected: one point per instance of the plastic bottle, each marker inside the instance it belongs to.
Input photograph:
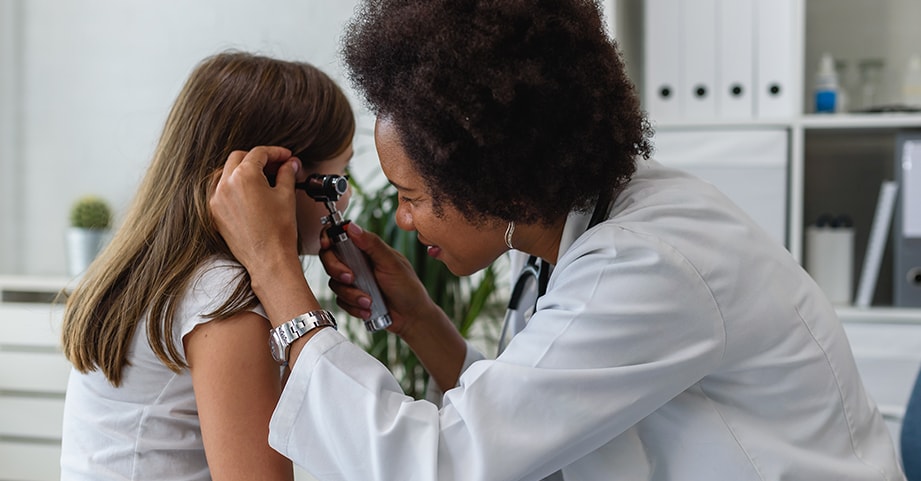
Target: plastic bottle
(911, 85)
(826, 86)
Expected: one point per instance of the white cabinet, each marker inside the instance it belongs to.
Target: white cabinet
(888, 355)
(33, 377)
(749, 166)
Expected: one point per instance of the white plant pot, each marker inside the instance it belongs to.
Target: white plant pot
(82, 247)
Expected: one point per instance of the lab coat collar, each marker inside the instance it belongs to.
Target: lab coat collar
(576, 223)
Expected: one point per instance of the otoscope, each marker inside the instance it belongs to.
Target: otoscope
(328, 189)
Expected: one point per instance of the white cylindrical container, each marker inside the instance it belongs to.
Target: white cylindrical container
(830, 261)
(911, 83)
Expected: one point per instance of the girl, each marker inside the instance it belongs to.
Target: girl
(172, 375)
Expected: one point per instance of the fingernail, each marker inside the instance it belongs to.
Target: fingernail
(364, 302)
(354, 228)
(346, 278)
(295, 164)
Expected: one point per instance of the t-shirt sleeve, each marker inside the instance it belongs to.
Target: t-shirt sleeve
(208, 290)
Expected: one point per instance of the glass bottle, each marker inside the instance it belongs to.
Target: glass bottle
(871, 71)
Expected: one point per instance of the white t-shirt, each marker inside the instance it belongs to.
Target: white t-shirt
(148, 428)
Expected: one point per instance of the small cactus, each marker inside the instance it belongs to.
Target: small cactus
(90, 212)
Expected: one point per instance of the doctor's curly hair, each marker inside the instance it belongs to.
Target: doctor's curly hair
(517, 110)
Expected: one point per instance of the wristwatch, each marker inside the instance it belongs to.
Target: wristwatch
(281, 337)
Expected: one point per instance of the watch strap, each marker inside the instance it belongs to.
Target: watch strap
(287, 333)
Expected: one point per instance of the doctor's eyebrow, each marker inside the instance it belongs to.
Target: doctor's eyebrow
(400, 187)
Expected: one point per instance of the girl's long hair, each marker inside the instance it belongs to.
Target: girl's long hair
(231, 101)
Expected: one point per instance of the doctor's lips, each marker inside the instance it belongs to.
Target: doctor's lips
(430, 249)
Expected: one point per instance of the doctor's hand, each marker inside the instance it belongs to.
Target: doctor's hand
(407, 300)
(258, 221)
(416, 318)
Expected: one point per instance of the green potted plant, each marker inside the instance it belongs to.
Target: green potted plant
(90, 223)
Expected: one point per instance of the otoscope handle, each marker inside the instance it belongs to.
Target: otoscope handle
(364, 277)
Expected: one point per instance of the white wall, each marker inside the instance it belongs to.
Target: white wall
(9, 110)
(85, 86)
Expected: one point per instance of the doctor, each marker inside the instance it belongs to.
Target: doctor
(675, 341)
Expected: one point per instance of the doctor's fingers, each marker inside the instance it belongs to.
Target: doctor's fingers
(334, 267)
(242, 182)
(253, 218)
(242, 165)
(351, 299)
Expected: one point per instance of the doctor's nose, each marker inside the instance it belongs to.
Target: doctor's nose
(404, 217)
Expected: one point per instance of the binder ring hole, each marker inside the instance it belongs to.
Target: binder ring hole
(736, 90)
(700, 91)
(665, 92)
(774, 89)
(914, 276)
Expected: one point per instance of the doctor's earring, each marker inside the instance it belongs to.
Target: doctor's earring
(508, 235)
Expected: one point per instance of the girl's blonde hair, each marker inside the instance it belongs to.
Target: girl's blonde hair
(231, 101)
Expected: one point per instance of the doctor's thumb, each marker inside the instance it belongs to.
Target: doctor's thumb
(359, 237)
(368, 242)
(287, 173)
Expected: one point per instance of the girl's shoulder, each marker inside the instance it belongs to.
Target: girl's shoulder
(212, 285)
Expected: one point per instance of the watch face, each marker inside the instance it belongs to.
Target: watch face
(278, 351)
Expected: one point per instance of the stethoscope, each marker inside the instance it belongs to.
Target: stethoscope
(529, 286)
(532, 282)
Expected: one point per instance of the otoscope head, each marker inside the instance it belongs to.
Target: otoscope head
(325, 188)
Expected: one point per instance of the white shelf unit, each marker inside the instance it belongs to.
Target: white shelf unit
(834, 161)
(804, 135)
(33, 378)
(807, 134)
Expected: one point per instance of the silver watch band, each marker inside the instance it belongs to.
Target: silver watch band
(304, 323)
(281, 337)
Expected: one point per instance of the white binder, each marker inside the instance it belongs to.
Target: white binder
(776, 54)
(876, 243)
(663, 72)
(698, 53)
(735, 59)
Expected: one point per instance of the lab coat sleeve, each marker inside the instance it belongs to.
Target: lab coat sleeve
(342, 416)
(433, 392)
(626, 325)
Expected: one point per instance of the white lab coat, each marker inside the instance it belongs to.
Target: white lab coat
(676, 341)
